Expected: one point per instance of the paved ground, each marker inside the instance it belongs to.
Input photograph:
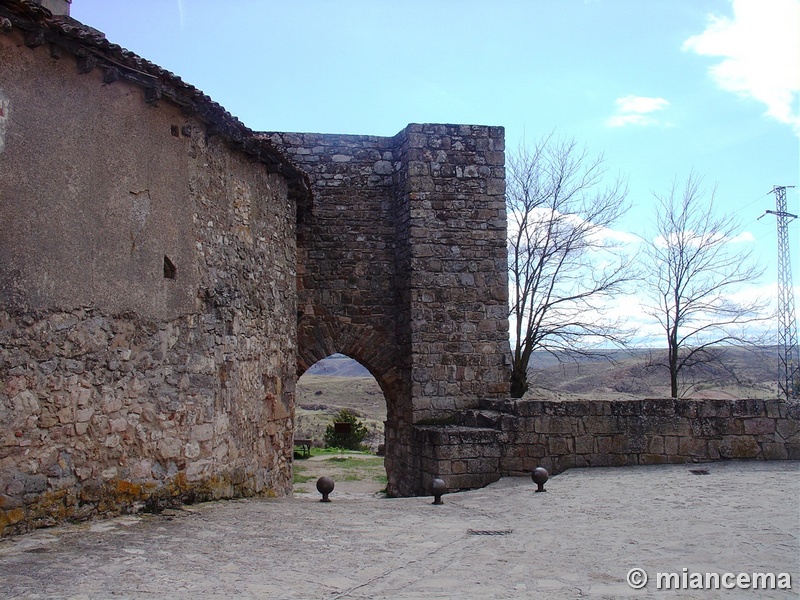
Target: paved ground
(578, 540)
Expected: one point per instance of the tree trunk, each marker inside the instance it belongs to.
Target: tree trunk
(519, 382)
(673, 349)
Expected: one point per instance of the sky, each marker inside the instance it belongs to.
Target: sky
(660, 88)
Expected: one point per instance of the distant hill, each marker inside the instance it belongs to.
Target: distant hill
(735, 372)
(339, 365)
(340, 382)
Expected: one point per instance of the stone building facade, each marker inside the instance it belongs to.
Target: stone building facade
(147, 285)
(166, 274)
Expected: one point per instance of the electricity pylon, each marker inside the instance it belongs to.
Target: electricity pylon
(789, 381)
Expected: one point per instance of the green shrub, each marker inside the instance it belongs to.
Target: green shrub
(348, 441)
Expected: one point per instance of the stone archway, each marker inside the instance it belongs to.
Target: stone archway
(401, 264)
(320, 338)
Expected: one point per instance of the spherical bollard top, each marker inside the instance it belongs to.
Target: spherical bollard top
(438, 488)
(540, 476)
(325, 486)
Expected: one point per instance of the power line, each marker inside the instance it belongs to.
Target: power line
(749, 204)
(787, 325)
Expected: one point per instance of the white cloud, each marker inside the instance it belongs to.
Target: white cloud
(760, 51)
(540, 217)
(744, 237)
(181, 15)
(640, 104)
(635, 110)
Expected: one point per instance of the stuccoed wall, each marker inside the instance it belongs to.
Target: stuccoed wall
(123, 385)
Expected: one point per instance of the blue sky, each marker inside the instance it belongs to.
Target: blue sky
(660, 87)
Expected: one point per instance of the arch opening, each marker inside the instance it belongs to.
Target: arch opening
(333, 384)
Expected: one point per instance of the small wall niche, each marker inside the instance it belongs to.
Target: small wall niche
(170, 270)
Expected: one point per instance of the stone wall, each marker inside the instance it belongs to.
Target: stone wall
(457, 268)
(147, 290)
(513, 437)
(402, 266)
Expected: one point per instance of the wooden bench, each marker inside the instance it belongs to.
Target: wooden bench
(305, 446)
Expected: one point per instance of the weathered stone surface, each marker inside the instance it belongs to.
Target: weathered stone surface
(739, 447)
(402, 266)
(121, 385)
(561, 435)
(759, 426)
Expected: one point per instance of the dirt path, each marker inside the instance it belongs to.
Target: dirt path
(355, 475)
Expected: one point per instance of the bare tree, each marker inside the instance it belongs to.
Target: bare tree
(564, 261)
(694, 270)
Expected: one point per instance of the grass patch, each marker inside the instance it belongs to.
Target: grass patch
(365, 475)
(356, 468)
(299, 477)
(342, 465)
(346, 462)
(324, 451)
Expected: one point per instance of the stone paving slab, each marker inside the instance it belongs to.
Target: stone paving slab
(578, 540)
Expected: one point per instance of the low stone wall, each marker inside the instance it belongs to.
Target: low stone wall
(465, 457)
(512, 437)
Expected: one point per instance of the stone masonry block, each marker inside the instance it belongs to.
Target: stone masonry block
(694, 447)
(458, 467)
(739, 447)
(788, 429)
(774, 451)
(713, 449)
(609, 444)
(470, 481)
(773, 407)
(686, 408)
(600, 425)
(661, 406)
(749, 408)
(559, 445)
(653, 459)
(625, 409)
(584, 444)
(790, 410)
(577, 408)
(715, 408)
(655, 444)
(793, 450)
(555, 425)
(758, 426)
(671, 444)
(537, 450)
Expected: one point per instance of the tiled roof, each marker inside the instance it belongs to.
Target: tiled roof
(93, 50)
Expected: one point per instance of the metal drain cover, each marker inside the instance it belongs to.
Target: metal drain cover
(489, 531)
(699, 471)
